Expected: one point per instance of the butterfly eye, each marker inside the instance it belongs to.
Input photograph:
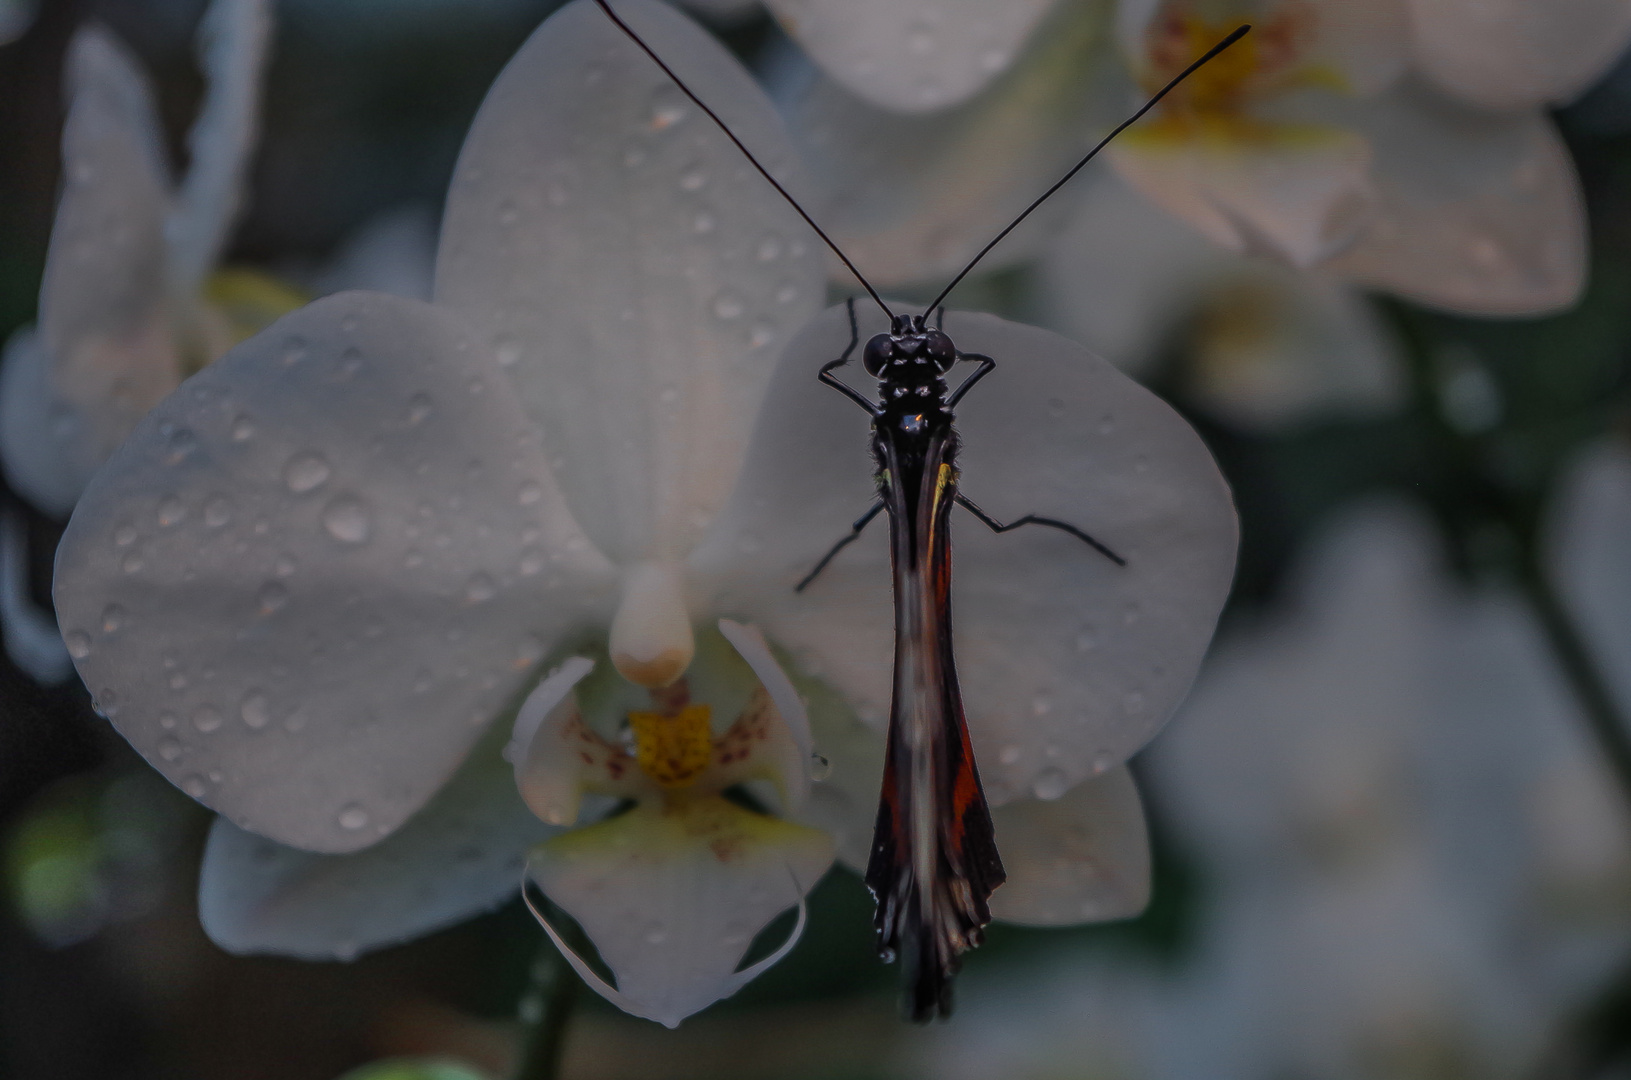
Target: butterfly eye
(877, 355)
(939, 349)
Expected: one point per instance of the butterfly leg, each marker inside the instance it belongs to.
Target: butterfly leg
(855, 531)
(833, 381)
(1032, 519)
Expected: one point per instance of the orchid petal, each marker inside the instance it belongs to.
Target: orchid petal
(1267, 345)
(1301, 200)
(234, 39)
(1506, 54)
(316, 571)
(673, 897)
(632, 270)
(750, 643)
(913, 198)
(460, 855)
(103, 318)
(48, 458)
(32, 640)
(723, 11)
(912, 56)
(558, 758)
(1068, 663)
(1084, 857)
(1588, 532)
(844, 802)
(1476, 212)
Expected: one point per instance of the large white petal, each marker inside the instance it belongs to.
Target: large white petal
(460, 855)
(633, 271)
(1068, 662)
(912, 56)
(672, 897)
(1476, 212)
(103, 320)
(47, 455)
(1083, 858)
(1505, 54)
(913, 198)
(1267, 345)
(1301, 200)
(318, 569)
(233, 41)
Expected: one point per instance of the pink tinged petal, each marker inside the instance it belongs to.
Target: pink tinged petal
(1506, 54)
(47, 454)
(672, 897)
(789, 709)
(912, 56)
(318, 569)
(913, 198)
(1084, 857)
(32, 640)
(234, 39)
(631, 269)
(1476, 212)
(462, 854)
(1068, 663)
(1301, 200)
(759, 746)
(1267, 345)
(558, 758)
(103, 319)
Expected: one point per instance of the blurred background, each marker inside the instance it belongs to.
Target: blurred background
(1392, 826)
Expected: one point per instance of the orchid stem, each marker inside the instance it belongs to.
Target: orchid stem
(547, 1007)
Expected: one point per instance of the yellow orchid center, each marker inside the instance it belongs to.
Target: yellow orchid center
(1214, 100)
(673, 748)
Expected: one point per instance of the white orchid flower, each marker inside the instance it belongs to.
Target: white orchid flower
(1312, 140)
(1264, 346)
(317, 573)
(122, 314)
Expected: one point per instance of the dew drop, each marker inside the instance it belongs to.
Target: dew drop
(346, 519)
(79, 644)
(243, 429)
(418, 409)
(172, 511)
(353, 817)
(207, 718)
(508, 351)
(1133, 702)
(169, 721)
(1041, 706)
(272, 596)
(728, 307)
(170, 749)
(1010, 754)
(285, 566)
(532, 561)
(1050, 784)
(133, 562)
(294, 350)
(770, 249)
(480, 589)
(179, 444)
(113, 617)
(217, 511)
(786, 294)
(530, 492)
(667, 108)
(195, 786)
(656, 934)
(124, 535)
(1103, 763)
(508, 214)
(256, 711)
(306, 471)
(820, 767)
(693, 179)
(703, 224)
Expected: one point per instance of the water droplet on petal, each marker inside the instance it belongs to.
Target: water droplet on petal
(346, 519)
(305, 472)
(1103, 763)
(217, 511)
(1133, 702)
(133, 562)
(763, 334)
(1041, 705)
(255, 710)
(113, 617)
(272, 596)
(353, 817)
(285, 566)
(1050, 784)
(195, 786)
(508, 351)
(243, 429)
(530, 492)
(125, 534)
(532, 561)
(294, 350)
(480, 589)
(820, 767)
(207, 718)
(728, 307)
(79, 644)
(1010, 754)
(171, 749)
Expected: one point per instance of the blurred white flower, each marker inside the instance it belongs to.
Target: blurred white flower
(123, 315)
(1263, 345)
(1396, 812)
(16, 16)
(316, 573)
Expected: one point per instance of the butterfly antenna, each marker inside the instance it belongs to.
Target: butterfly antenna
(1239, 32)
(686, 90)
